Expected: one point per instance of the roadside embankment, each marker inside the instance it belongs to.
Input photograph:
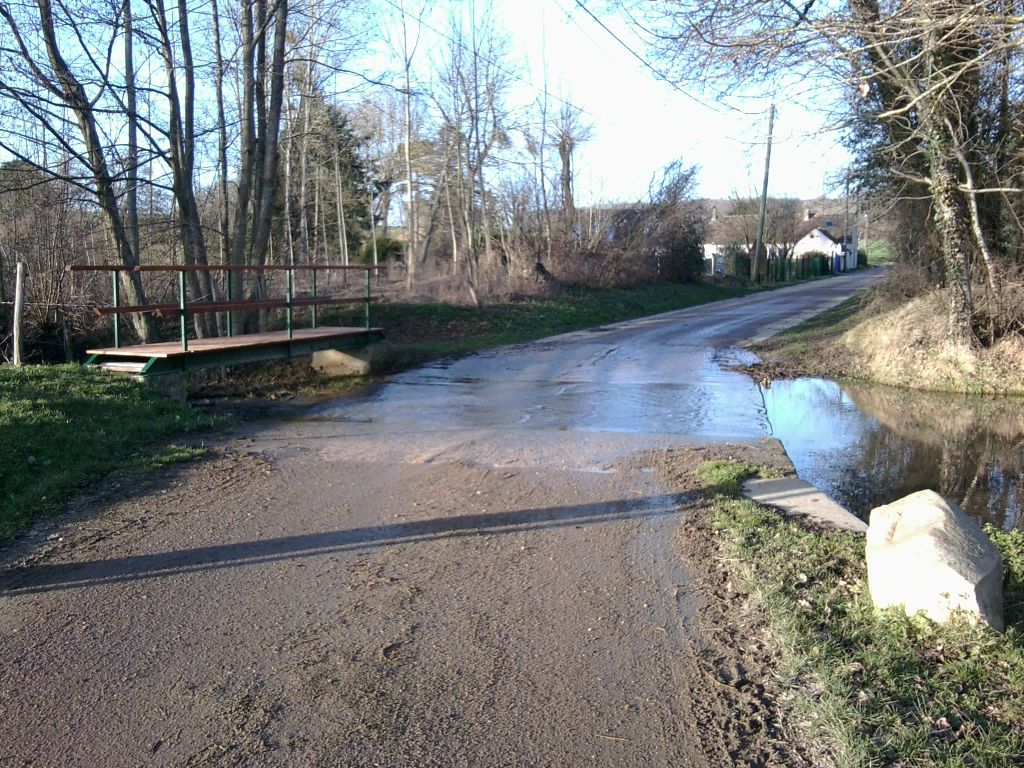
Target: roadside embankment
(885, 337)
(868, 687)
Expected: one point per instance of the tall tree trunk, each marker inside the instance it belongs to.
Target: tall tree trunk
(247, 154)
(131, 193)
(181, 139)
(451, 226)
(317, 218)
(952, 221)
(411, 225)
(411, 228)
(938, 109)
(565, 148)
(268, 184)
(73, 94)
(224, 213)
(306, 101)
(431, 223)
(340, 209)
(289, 138)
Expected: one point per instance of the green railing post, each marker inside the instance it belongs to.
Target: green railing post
(182, 310)
(367, 312)
(227, 280)
(312, 308)
(116, 291)
(288, 301)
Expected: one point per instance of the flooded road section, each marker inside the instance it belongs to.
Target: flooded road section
(867, 445)
(586, 398)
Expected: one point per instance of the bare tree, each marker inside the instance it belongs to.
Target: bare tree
(569, 131)
(263, 32)
(474, 82)
(38, 79)
(408, 52)
(914, 73)
(175, 50)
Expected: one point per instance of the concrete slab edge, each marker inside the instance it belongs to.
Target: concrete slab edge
(800, 500)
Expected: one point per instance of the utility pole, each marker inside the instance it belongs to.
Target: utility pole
(764, 197)
(847, 240)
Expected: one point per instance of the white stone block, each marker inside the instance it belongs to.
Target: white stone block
(349, 362)
(925, 554)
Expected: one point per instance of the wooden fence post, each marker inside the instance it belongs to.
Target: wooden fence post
(19, 307)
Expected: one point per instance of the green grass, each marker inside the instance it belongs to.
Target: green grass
(810, 348)
(878, 251)
(726, 477)
(887, 690)
(825, 325)
(421, 332)
(63, 427)
(1011, 544)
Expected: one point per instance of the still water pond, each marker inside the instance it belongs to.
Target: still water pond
(867, 445)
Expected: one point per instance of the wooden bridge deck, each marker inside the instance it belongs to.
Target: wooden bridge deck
(169, 357)
(196, 347)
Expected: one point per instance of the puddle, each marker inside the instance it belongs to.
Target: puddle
(867, 445)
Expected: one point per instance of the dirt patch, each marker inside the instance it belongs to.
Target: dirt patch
(275, 610)
(770, 370)
(739, 661)
(675, 467)
(130, 502)
(268, 390)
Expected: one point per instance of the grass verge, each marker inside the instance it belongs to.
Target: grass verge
(810, 348)
(62, 427)
(894, 336)
(885, 689)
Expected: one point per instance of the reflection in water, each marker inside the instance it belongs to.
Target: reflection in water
(867, 445)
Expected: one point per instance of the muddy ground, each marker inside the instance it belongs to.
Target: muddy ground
(489, 618)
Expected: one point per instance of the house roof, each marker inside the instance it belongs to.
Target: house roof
(824, 232)
(723, 229)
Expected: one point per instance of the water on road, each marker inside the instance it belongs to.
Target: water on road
(588, 397)
(469, 566)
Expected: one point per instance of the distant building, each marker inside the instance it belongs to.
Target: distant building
(842, 256)
(795, 238)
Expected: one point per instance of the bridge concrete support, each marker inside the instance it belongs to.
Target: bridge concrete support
(350, 362)
(171, 385)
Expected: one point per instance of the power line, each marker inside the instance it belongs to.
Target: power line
(658, 73)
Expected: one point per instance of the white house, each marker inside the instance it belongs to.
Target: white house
(821, 241)
(813, 234)
(817, 240)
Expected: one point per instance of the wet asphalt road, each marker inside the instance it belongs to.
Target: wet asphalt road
(585, 398)
(466, 567)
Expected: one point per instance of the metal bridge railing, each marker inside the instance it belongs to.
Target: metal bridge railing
(184, 308)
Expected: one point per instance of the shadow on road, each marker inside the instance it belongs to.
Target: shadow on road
(45, 578)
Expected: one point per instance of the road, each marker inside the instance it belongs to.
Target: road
(473, 564)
